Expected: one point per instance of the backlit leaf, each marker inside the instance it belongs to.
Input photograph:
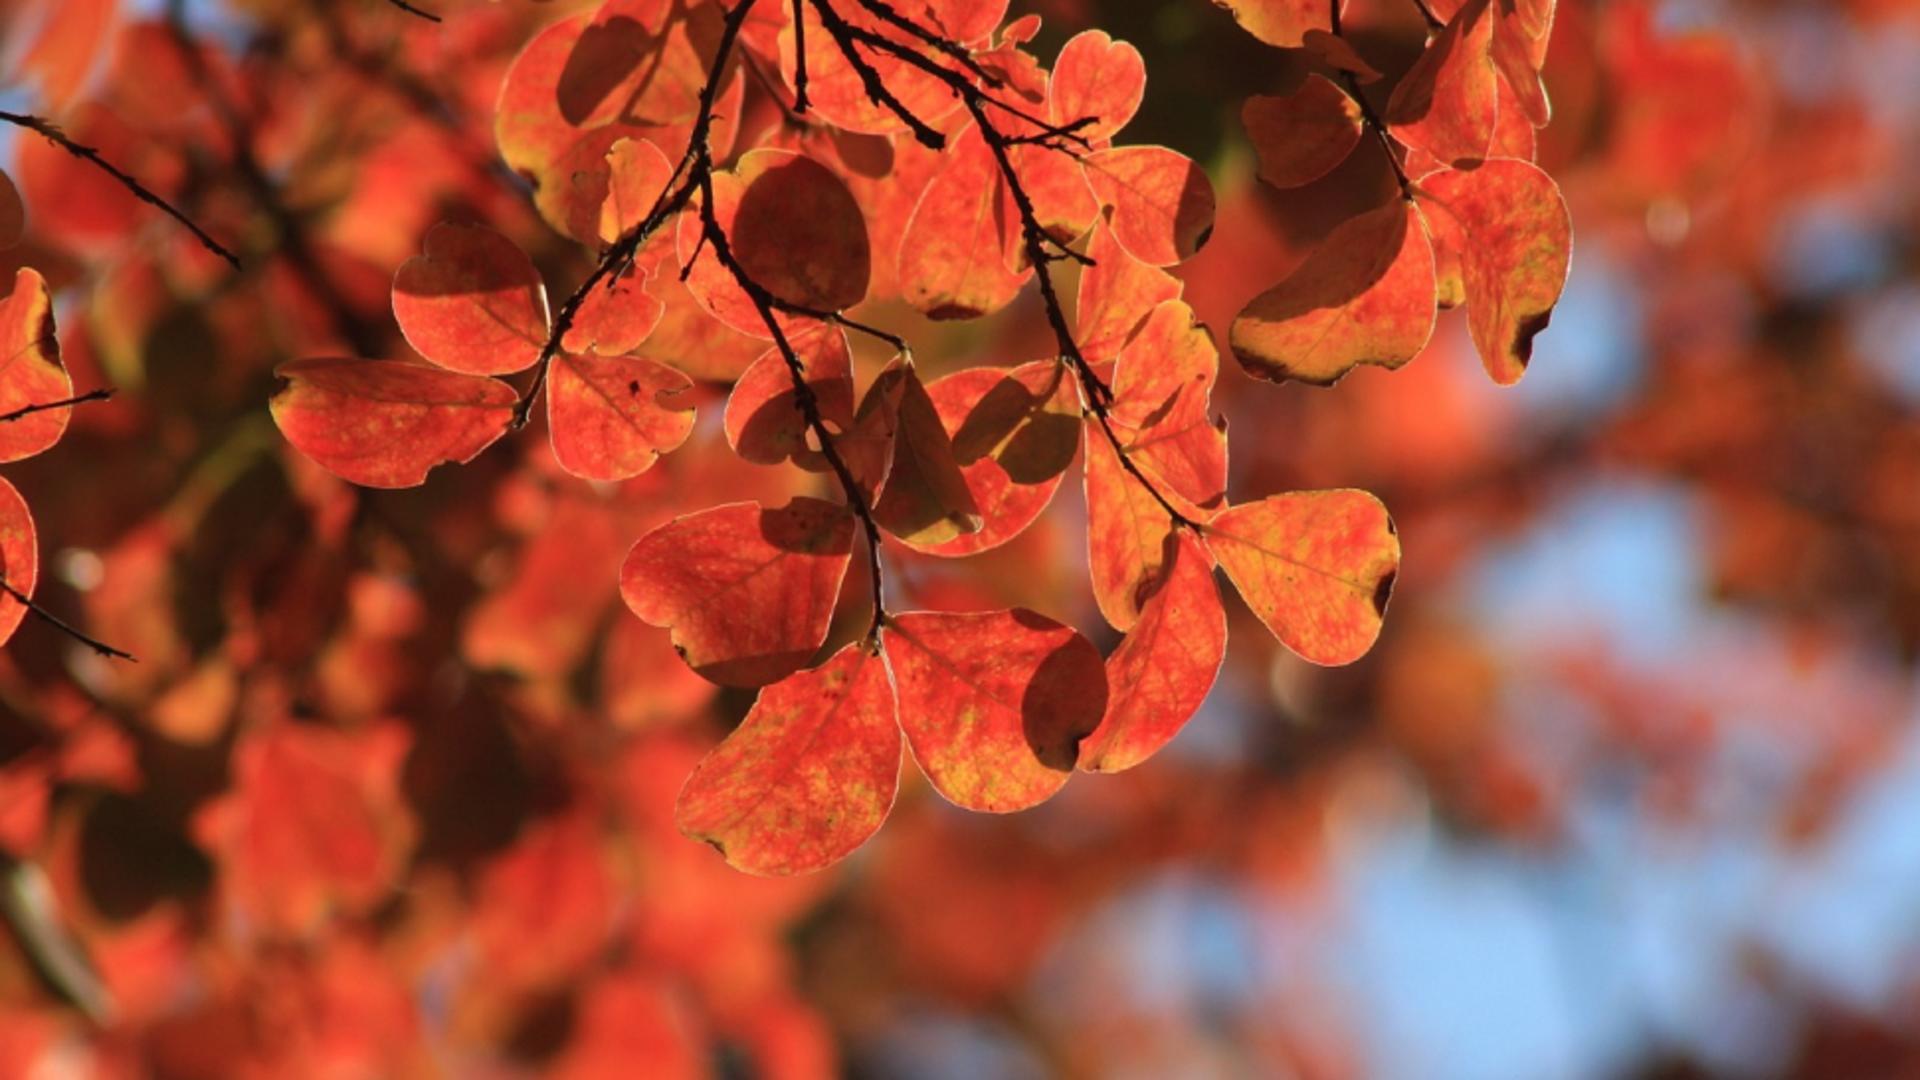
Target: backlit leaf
(926, 501)
(808, 776)
(1302, 136)
(1096, 78)
(1365, 296)
(473, 302)
(19, 556)
(1128, 533)
(953, 258)
(1317, 568)
(1159, 202)
(637, 175)
(1014, 435)
(1508, 225)
(1162, 406)
(747, 591)
(763, 420)
(1281, 22)
(1162, 672)
(385, 423)
(30, 369)
(611, 417)
(1446, 104)
(614, 320)
(1117, 293)
(995, 704)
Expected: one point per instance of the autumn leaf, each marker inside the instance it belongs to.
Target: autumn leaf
(1446, 104)
(385, 423)
(1163, 670)
(30, 369)
(19, 557)
(747, 591)
(925, 501)
(808, 776)
(1302, 136)
(954, 255)
(1317, 568)
(995, 704)
(615, 319)
(1159, 202)
(611, 417)
(1097, 79)
(1162, 406)
(637, 175)
(1508, 226)
(1281, 22)
(1366, 295)
(1014, 435)
(1128, 532)
(473, 303)
(1117, 293)
(764, 421)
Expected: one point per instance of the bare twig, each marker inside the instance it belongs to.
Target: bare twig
(51, 132)
(64, 403)
(64, 627)
(1374, 124)
(411, 10)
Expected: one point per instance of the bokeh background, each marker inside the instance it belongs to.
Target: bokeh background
(1629, 787)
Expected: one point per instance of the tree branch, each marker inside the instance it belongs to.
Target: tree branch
(64, 627)
(64, 403)
(411, 10)
(1373, 121)
(51, 132)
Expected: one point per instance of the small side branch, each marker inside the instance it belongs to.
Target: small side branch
(64, 627)
(64, 403)
(51, 132)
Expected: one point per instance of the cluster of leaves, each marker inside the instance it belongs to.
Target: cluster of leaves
(927, 157)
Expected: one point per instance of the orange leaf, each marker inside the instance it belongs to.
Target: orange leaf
(954, 258)
(19, 557)
(473, 303)
(1162, 402)
(794, 228)
(926, 501)
(1508, 225)
(808, 776)
(1316, 566)
(1127, 533)
(614, 320)
(1014, 435)
(763, 419)
(1160, 675)
(611, 417)
(30, 369)
(385, 423)
(1281, 22)
(1365, 296)
(995, 704)
(1446, 104)
(1160, 203)
(1302, 136)
(748, 592)
(637, 175)
(1117, 293)
(1096, 78)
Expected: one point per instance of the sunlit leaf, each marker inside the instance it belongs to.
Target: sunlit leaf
(1302, 136)
(764, 421)
(614, 320)
(1446, 104)
(385, 423)
(954, 262)
(1281, 22)
(473, 302)
(1317, 568)
(1128, 532)
(1365, 296)
(1014, 435)
(1159, 202)
(1158, 677)
(1099, 79)
(926, 501)
(995, 704)
(611, 417)
(808, 776)
(30, 369)
(747, 591)
(19, 556)
(1117, 293)
(1162, 406)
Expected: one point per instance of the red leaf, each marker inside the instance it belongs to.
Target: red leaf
(1096, 78)
(19, 557)
(1127, 533)
(1162, 401)
(13, 213)
(926, 501)
(1508, 225)
(473, 303)
(615, 320)
(808, 776)
(1365, 296)
(954, 258)
(1160, 675)
(1117, 293)
(611, 417)
(1160, 203)
(748, 592)
(1281, 22)
(30, 369)
(386, 423)
(1447, 103)
(995, 704)
(763, 420)
(637, 176)
(1014, 435)
(1302, 136)
(1316, 566)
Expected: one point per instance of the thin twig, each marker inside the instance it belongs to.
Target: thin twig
(411, 10)
(799, 59)
(64, 403)
(1373, 121)
(64, 627)
(51, 132)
